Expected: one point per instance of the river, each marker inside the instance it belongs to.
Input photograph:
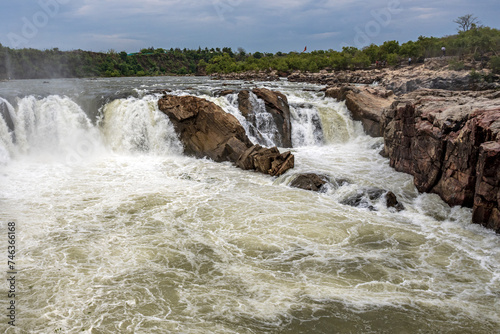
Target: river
(118, 232)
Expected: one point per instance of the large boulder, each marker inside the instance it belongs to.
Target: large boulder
(448, 141)
(206, 130)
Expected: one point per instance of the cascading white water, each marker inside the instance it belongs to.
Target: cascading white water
(162, 243)
(137, 125)
(7, 147)
(53, 127)
(314, 120)
(260, 127)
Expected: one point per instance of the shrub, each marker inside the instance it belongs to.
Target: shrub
(494, 64)
(455, 65)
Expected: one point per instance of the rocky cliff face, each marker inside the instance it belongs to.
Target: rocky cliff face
(442, 127)
(449, 141)
(208, 131)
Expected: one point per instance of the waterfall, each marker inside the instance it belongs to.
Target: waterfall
(306, 125)
(6, 135)
(317, 120)
(50, 127)
(137, 125)
(119, 233)
(259, 125)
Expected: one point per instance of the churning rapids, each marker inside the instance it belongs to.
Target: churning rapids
(118, 232)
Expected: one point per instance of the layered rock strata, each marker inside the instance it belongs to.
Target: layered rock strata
(450, 143)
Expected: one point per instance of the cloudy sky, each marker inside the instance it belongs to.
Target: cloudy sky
(256, 25)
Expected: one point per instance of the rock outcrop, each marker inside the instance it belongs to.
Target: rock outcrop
(434, 73)
(449, 142)
(487, 197)
(206, 130)
(366, 104)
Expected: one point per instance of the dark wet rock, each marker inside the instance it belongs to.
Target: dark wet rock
(277, 105)
(365, 198)
(487, 196)
(310, 181)
(244, 104)
(392, 201)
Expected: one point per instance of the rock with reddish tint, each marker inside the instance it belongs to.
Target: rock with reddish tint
(244, 104)
(447, 141)
(206, 130)
(266, 160)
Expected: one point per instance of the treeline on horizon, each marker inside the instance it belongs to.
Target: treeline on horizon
(481, 44)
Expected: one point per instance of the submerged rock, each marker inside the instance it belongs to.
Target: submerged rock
(366, 197)
(391, 201)
(206, 130)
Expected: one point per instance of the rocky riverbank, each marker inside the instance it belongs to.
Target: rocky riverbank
(439, 126)
(435, 73)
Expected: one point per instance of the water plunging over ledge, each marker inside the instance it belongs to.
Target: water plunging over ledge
(119, 232)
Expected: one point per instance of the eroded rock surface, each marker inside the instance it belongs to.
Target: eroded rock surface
(449, 142)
